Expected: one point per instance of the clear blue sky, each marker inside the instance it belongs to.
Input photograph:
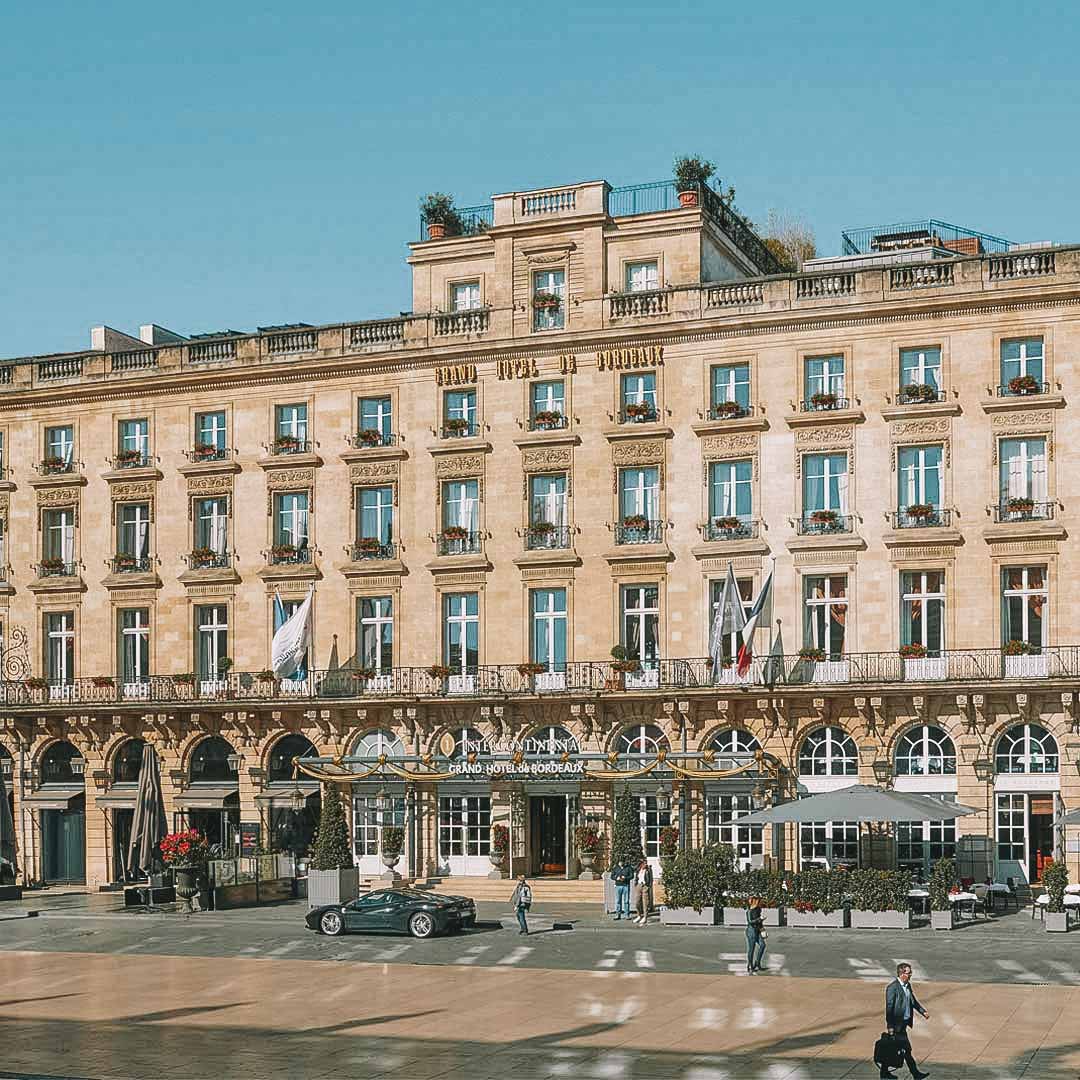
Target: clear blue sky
(230, 164)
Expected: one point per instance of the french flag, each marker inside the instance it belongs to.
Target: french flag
(761, 609)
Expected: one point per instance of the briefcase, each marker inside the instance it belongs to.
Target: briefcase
(887, 1052)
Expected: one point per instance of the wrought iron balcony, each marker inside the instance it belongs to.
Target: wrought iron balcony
(130, 564)
(919, 394)
(729, 410)
(287, 444)
(921, 516)
(206, 452)
(205, 559)
(548, 420)
(454, 541)
(545, 537)
(824, 403)
(1023, 386)
(459, 429)
(370, 438)
(824, 522)
(1017, 509)
(368, 547)
(288, 555)
(55, 466)
(633, 530)
(729, 528)
(638, 414)
(52, 567)
(131, 459)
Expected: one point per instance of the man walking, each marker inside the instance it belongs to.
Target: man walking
(522, 901)
(643, 881)
(622, 874)
(900, 1006)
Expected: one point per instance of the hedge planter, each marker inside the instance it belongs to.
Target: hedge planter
(771, 916)
(332, 886)
(1057, 922)
(941, 920)
(818, 920)
(881, 920)
(687, 916)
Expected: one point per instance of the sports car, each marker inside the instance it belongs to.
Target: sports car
(406, 911)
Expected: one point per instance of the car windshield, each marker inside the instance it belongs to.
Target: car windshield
(415, 894)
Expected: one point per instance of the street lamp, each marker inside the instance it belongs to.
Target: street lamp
(882, 770)
(760, 793)
(984, 769)
(235, 761)
(383, 802)
(78, 765)
(298, 798)
(663, 798)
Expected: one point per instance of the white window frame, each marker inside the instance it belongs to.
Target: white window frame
(371, 630)
(643, 276)
(839, 753)
(465, 296)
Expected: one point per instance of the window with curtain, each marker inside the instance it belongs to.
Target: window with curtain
(60, 444)
(375, 633)
(547, 398)
(731, 489)
(730, 384)
(461, 505)
(465, 295)
(459, 411)
(291, 519)
(58, 536)
(212, 524)
(1024, 593)
(1027, 748)
(134, 438)
(920, 367)
(1022, 357)
(825, 483)
(461, 632)
(1022, 470)
(59, 647)
(375, 414)
(922, 609)
(210, 430)
(134, 645)
(919, 473)
(642, 276)
(637, 392)
(548, 612)
(375, 514)
(291, 422)
(133, 530)
(639, 493)
(549, 283)
(211, 639)
(641, 623)
(825, 614)
(824, 375)
(547, 501)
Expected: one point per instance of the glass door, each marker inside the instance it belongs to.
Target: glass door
(465, 834)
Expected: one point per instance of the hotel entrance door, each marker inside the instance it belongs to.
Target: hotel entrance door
(547, 834)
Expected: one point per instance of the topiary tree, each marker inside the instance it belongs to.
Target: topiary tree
(332, 850)
(1055, 878)
(626, 840)
(942, 879)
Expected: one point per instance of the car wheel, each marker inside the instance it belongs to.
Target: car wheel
(422, 925)
(331, 923)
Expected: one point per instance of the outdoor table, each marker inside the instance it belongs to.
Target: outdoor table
(1072, 900)
(962, 898)
(1073, 890)
(922, 895)
(998, 888)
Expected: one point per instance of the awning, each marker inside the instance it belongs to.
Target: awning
(54, 797)
(860, 802)
(210, 797)
(281, 794)
(118, 797)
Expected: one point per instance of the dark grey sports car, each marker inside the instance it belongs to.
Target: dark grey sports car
(408, 911)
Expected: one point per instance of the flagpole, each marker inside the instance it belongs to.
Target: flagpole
(772, 574)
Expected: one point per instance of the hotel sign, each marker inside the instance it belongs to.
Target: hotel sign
(628, 358)
(534, 769)
(525, 368)
(639, 356)
(455, 374)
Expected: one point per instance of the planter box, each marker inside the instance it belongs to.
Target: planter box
(687, 916)
(925, 669)
(942, 920)
(818, 920)
(736, 917)
(332, 886)
(234, 896)
(881, 920)
(1057, 922)
(1027, 667)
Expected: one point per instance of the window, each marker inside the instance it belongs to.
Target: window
(376, 743)
(642, 276)
(291, 520)
(1022, 369)
(639, 494)
(919, 844)
(922, 610)
(643, 739)
(722, 813)
(730, 386)
(1011, 831)
(825, 491)
(375, 414)
(920, 367)
(925, 751)
(58, 540)
(284, 609)
(549, 300)
(464, 825)
(824, 381)
(134, 441)
(828, 751)
(547, 507)
(732, 642)
(375, 633)
(375, 514)
(59, 446)
(368, 824)
(212, 525)
(210, 432)
(825, 614)
(1027, 748)
(734, 741)
(459, 413)
(835, 841)
(548, 639)
(211, 639)
(282, 754)
(919, 476)
(1024, 593)
(59, 647)
(730, 490)
(641, 623)
(127, 762)
(133, 530)
(653, 822)
(461, 632)
(56, 764)
(461, 505)
(210, 761)
(1022, 474)
(637, 393)
(134, 645)
(547, 403)
(290, 427)
(465, 295)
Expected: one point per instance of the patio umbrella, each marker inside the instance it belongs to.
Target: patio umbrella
(148, 824)
(1071, 818)
(860, 802)
(8, 845)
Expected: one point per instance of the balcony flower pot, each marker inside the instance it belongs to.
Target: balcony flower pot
(548, 418)
(128, 457)
(369, 436)
(824, 401)
(369, 543)
(205, 450)
(286, 442)
(545, 301)
(1056, 922)
(439, 215)
(916, 650)
(456, 425)
(726, 524)
(1020, 506)
(688, 916)
(941, 920)
(688, 199)
(638, 411)
(635, 521)
(826, 518)
(918, 393)
(454, 532)
(812, 656)
(920, 511)
(1024, 384)
(728, 410)
(332, 886)
(436, 230)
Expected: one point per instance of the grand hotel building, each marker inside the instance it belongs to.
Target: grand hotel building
(600, 399)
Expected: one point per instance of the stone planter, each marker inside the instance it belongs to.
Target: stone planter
(497, 871)
(390, 861)
(941, 920)
(332, 886)
(1057, 922)
(881, 920)
(187, 885)
(588, 861)
(771, 916)
(688, 916)
(818, 920)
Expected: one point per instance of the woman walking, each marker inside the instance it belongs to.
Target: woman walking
(643, 881)
(755, 936)
(522, 901)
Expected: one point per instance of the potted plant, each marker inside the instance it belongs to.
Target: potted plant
(124, 560)
(1055, 880)
(103, 682)
(694, 881)
(1017, 647)
(920, 511)
(455, 532)
(587, 843)
(546, 418)
(622, 662)
(128, 457)
(811, 654)
(546, 301)
(440, 217)
(879, 899)
(915, 651)
(635, 521)
(282, 552)
(332, 877)
(457, 425)
(52, 565)
(727, 524)
(267, 676)
(200, 556)
(1024, 384)
(543, 527)
(35, 684)
(823, 400)
(824, 518)
(816, 899)
(530, 670)
(767, 885)
(639, 410)
(369, 436)
(393, 844)
(224, 665)
(53, 463)
(942, 881)
(205, 450)
(1020, 504)
(728, 410)
(918, 393)
(691, 175)
(439, 672)
(186, 854)
(185, 678)
(369, 544)
(499, 850)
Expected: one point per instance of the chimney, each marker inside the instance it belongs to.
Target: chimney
(152, 334)
(106, 339)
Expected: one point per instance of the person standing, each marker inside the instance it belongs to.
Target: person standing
(755, 935)
(622, 874)
(522, 901)
(900, 1006)
(643, 881)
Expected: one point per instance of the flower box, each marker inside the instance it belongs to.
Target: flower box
(454, 532)
(918, 393)
(635, 521)
(639, 411)
(823, 401)
(369, 436)
(727, 524)
(545, 301)
(369, 543)
(332, 886)
(457, 425)
(942, 920)
(1024, 384)
(688, 916)
(881, 920)
(286, 442)
(204, 450)
(548, 418)
(728, 410)
(818, 920)
(921, 511)
(1056, 922)
(1020, 506)
(527, 670)
(824, 517)
(736, 917)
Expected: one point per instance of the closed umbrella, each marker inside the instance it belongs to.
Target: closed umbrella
(1071, 818)
(8, 846)
(148, 824)
(860, 802)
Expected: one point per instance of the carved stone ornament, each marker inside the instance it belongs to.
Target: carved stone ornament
(210, 485)
(638, 452)
(1025, 421)
(4, 502)
(59, 496)
(935, 428)
(290, 478)
(373, 472)
(131, 491)
(544, 458)
(455, 465)
(725, 446)
(809, 438)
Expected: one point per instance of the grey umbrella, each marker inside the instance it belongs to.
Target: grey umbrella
(1071, 818)
(861, 802)
(8, 846)
(148, 824)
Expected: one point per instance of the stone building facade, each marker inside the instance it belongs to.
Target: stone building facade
(602, 400)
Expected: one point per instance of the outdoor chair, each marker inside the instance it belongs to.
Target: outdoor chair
(1012, 897)
(982, 895)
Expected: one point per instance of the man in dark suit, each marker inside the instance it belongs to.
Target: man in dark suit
(900, 1006)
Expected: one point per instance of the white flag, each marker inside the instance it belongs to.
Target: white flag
(292, 639)
(728, 619)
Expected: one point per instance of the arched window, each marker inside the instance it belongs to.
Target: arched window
(210, 761)
(7, 762)
(925, 751)
(550, 740)
(56, 764)
(734, 741)
(376, 743)
(128, 761)
(641, 739)
(283, 752)
(828, 751)
(1027, 748)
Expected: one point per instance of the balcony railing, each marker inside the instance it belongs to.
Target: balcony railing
(208, 560)
(638, 414)
(207, 351)
(136, 360)
(824, 522)
(204, 452)
(921, 517)
(471, 221)
(919, 394)
(293, 341)
(726, 528)
(66, 367)
(921, 276)
(548, 420)
(288, 445)
(287, 555)
(371, 438)
(131, 459)
(1023, 510)
(1029, 264)
(54, 466)
(1028, 389)
(468, 543)
(130, 564)
(729, 410)
(648, 532)
(823, 403)
(824, 286)
(653, 302)
(56, 568)
(464, 429)
(377, 332)
(547, 537)
(369, 548)
(469, 321)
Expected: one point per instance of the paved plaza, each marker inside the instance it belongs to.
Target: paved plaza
(89, 992)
